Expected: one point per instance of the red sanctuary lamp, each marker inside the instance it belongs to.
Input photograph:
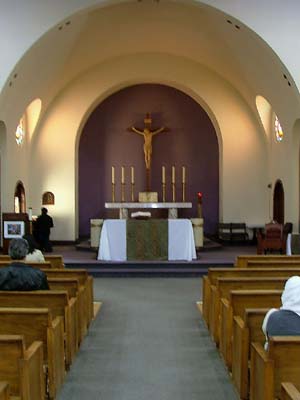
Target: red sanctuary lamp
(199, 205)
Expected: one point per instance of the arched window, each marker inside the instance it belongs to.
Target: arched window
(278, 130)
(20, 200)
(20, 132)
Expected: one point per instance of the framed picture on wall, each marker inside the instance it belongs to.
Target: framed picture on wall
(14, 229)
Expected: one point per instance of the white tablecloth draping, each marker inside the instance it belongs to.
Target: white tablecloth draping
(181, 245)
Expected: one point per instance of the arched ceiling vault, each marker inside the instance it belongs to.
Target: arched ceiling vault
(188, 29)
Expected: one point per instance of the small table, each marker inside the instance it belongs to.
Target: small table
(181, 244)
(172, 207)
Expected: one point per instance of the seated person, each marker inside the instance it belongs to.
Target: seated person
(34, 254)
(18, 275)
(286, 320)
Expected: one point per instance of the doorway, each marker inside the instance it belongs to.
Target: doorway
(278, 203)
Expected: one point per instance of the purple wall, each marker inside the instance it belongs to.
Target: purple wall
(105, 141)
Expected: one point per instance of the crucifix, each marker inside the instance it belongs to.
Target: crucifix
(148, 134)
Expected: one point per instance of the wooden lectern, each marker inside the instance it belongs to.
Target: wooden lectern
(14, 226)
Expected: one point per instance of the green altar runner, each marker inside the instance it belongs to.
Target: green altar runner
(147, 239)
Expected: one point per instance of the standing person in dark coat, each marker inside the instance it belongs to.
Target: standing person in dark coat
(43, 225)
(18, 275)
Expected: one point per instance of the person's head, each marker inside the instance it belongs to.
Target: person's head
(18, 249)
(44, 210)
(31, 243)
(291, 294)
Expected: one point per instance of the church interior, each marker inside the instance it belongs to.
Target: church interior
(192, 106)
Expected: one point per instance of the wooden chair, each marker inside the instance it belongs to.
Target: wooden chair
(280, 363)
(239, 232)
(289, 392)
(271, 239)
(37, 324)
(22, 368)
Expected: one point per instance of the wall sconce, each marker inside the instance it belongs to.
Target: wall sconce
(269, 186)
(48, 199)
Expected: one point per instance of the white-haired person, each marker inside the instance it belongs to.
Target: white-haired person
(18, 275)
(286, 320)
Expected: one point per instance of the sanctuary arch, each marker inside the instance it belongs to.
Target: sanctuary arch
(192, 142)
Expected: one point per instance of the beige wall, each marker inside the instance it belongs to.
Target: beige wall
(242, 146)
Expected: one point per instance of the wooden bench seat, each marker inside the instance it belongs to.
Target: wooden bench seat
(286, 262)
(289, 391)
(37, 324)
(85, 281)
(238, 301)
(55, 260)
(246, 329)
(269, 368)
(22, 368)
(223, 288)
(58, 303)
(74, 289)
(215, 273)
(241, 261)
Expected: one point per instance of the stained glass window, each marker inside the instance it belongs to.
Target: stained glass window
(20, 132)
(278, 130)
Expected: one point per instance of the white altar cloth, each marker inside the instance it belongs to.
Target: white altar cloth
(181, 244)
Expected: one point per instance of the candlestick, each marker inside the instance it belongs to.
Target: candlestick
(30, 213)
(163, 179)
(173, 192)
(132, 192)
(183, 174)
(123, 192)
(173, 174)
(163, 192)
(122, 175)
(183, 192)
(132, 175)
(113, 175)
(113, 192)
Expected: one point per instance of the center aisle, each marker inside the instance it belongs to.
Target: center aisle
(148, 343)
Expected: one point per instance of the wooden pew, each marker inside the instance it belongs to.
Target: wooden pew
(58, 303)
(55, 260)
(246, 329)
(289, 392)
(238, 301)
(223, 288)
(37, 324)
(85, 281)
(241, 261)
(273, 264)
(74, 289)
(34, 265)
(215, 273)
(280, 363)
(4, 391)
(22, 368)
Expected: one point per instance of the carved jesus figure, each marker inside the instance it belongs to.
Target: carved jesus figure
(148, 134)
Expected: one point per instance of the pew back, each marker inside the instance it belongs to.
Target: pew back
(241, 261)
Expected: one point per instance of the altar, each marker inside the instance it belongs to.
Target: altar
(113, 241)
(172, 207)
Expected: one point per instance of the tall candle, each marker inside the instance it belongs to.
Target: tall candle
(132, 174)
(122, 175)
(113, 175)
(183, 174)
(30, 214)
(163, 174)
(173, 174)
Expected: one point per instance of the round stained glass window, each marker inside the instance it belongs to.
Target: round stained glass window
(20, 133)
(278, 130)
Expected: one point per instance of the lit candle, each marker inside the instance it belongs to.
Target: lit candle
(163, 174)
(183, 174)
(122, 175)
(113, 175)
(173, 174)
(132, 175)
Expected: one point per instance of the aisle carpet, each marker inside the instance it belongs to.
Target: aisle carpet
(148, 343)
